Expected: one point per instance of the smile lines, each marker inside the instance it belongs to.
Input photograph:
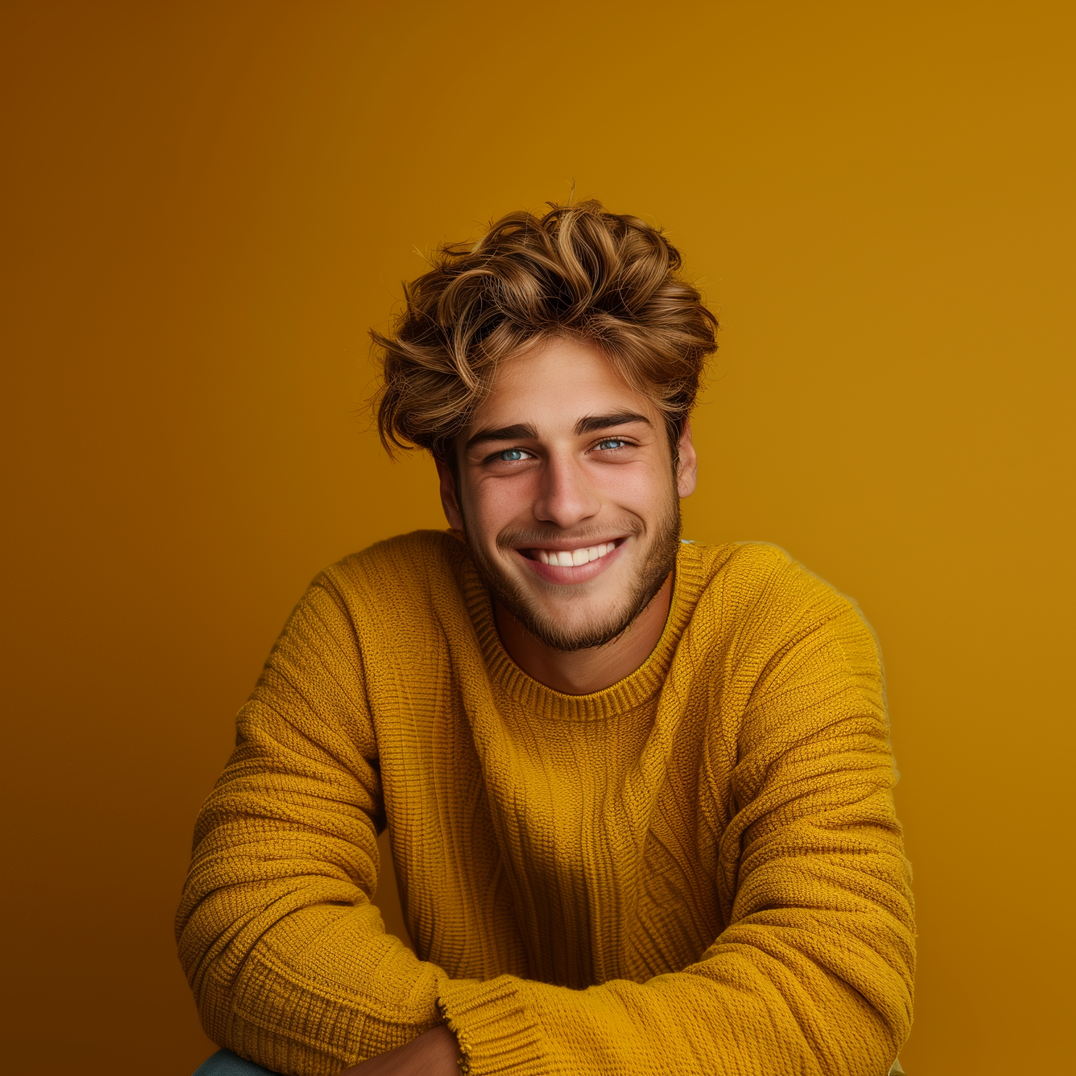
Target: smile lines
(570, 558)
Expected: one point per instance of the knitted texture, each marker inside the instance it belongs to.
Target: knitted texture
(697, 870)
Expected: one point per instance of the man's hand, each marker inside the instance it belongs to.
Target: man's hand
(433, 1053)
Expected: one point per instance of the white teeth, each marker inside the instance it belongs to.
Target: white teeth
(568, 558)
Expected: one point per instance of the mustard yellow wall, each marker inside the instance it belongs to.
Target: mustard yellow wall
(207, 205)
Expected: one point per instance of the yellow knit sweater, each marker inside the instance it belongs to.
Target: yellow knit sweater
(695, 871)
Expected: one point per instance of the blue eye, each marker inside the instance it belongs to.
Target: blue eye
(611, 442)
(510, 455)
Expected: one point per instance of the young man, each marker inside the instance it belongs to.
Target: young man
(639, 790)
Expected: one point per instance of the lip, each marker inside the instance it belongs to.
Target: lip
(562, 575)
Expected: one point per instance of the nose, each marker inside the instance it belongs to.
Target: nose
(565, 496)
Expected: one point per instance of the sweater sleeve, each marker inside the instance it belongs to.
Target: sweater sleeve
(812, 973)
(287, 955)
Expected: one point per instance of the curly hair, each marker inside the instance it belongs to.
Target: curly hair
(576, 272)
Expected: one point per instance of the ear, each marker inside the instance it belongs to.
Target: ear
(688, 466)
(448, 494)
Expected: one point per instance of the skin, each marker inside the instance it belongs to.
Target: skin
(537, 470)
(433, 1053)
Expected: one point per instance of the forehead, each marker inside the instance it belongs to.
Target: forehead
(554, 384)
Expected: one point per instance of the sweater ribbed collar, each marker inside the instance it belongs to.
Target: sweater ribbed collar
(634, 690)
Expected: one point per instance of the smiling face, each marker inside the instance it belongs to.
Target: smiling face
(568, 496)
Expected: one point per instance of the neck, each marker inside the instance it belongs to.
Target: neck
(582, 672)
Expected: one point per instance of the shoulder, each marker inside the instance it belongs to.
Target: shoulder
(786, 654)
(403, 558)
(755, 574)
(402, 576)
(402, 567)
(757, 597)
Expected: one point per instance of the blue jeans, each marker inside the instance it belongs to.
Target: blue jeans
(225, 1063)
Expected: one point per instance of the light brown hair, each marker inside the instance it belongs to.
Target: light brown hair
(576, 272)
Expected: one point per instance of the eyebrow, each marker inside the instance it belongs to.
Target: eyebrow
(588, 424)
(593, 423)
(501, 433)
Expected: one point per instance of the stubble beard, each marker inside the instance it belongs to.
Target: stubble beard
(659, 561)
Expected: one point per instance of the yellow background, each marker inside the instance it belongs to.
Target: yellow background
(207, 204)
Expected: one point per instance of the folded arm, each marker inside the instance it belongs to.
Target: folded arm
(813, 972)
(285, 951)
(291, 965)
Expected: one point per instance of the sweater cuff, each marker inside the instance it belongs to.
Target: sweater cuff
(494, 1025)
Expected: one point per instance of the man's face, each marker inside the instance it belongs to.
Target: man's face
(567, 494)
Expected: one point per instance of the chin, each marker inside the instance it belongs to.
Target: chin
(579, 625)
(601, 610)
(570, 638)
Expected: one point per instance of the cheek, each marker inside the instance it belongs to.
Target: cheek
(639, 490)
(496, 505)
